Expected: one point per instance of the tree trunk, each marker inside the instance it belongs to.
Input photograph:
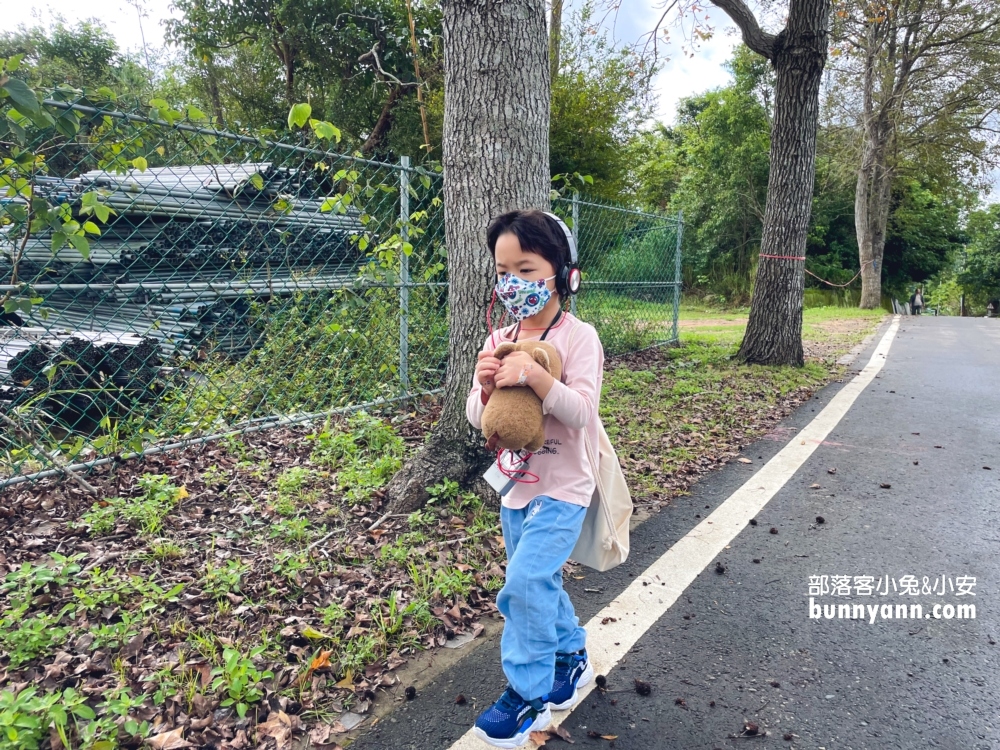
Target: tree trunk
(384, 124)
(774, 330)
(871, 214)
(286, 54)
(212, 82)
(496, 158)
(555, 37)
(872, 193)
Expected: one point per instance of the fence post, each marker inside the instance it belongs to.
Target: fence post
(404, 274)
(677, 277)
(576, 237)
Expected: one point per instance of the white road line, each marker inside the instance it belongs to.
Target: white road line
(639, 606)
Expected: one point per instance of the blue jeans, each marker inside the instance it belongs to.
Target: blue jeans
(540, 619)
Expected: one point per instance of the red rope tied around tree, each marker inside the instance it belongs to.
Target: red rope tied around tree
(830, 283)
(802, 257)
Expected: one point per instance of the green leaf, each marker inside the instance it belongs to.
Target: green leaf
(325, 130)
(194, 113)
(23, 97)
(84, 712)
(91, 228)
(58, 240)
(68, 126)
(298, 115)
(257, 181)
(42, 119)
(81, 244)
(14, 62)
(140, 163)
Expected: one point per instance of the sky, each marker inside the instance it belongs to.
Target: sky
(684, 70)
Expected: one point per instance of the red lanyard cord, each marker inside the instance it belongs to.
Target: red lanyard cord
(515, 474)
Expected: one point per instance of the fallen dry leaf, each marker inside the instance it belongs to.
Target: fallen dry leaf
(815, 487)
(320, 661)
(172, 740)
(540, 738)
(562, 733)
(320, 734)
(743, 460)
(279, 727)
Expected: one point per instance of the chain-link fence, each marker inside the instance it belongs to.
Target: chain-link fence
(196, 283)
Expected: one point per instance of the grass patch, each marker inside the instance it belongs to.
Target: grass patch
(145, 513)
(675, 413)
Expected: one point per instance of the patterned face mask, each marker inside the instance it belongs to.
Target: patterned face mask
(521, 297)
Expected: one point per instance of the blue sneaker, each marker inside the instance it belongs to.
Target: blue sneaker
(572, 671)
(509, 721)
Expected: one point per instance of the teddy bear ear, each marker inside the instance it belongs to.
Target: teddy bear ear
(504, 349)
(542, 357)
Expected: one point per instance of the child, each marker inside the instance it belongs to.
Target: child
(543, 648)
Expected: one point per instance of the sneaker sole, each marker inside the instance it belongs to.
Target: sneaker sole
(585, 678)
(541, 722)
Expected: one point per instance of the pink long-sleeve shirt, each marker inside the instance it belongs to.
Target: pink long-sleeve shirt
(562, 466)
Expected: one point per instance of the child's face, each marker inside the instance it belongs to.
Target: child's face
(511, 258)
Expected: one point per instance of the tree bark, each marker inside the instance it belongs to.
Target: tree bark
(871, 213)
(555, 37)
(496, 158)
(384, 123)
(212, 82)
(774, 330)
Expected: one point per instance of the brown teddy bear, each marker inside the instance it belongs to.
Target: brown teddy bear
(513, 416)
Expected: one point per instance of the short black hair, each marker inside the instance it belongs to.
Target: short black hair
(536, 232)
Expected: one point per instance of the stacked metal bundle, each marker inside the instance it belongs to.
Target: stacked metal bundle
(173, 275)
(181, 242)
(75, 380)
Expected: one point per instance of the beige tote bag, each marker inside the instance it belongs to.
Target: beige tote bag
(603, 542)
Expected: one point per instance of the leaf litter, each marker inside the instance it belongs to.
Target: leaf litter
(336, 592)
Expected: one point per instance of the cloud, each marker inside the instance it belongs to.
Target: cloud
(116, 17)
(685, 69)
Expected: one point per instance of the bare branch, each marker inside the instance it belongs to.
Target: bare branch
(372, 55)
(754, 36)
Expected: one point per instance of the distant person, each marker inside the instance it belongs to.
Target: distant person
(917, 301)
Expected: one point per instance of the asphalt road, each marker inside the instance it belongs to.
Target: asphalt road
(741, 646)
